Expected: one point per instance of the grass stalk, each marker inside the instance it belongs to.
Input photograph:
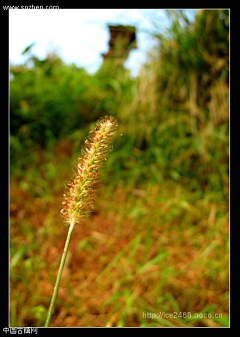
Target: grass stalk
(80, 197)
(60, 270)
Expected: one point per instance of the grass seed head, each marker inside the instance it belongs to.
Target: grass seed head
(79, 199)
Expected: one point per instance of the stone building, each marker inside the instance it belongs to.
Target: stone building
(122, 40)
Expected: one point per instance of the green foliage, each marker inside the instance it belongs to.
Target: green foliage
(173, 117)
(41, 112)
(176, 125)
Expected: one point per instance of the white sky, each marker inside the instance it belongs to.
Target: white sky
(78, 35)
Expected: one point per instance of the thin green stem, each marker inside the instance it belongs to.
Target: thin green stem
(55, 291)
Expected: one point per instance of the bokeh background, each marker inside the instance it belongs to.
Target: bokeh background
(158, 239)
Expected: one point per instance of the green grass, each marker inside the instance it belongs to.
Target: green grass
(155, 249)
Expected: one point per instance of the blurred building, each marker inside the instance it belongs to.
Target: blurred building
(122, 40)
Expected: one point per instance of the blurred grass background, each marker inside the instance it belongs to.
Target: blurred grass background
(158, 239)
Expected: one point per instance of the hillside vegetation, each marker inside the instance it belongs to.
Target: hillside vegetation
(157, 242)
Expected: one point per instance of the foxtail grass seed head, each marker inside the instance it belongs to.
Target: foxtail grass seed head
(79, 199)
